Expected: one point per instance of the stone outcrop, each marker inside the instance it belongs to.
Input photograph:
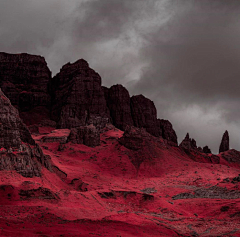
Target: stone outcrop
(224, 146)
(77, 95)
(167, 132)
(118, 102)
(18, 150)
(198, 154)
(206, 150)
(188, 143)
(142, 145)
(57, 135)
(144, 114)
(133, 138)
(87, 135)
(24, 80)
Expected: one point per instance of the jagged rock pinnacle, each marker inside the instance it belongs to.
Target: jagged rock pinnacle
(224, 146)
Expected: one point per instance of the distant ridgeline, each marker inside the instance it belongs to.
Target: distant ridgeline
(75, 97)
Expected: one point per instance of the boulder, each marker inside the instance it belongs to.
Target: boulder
(87, 135)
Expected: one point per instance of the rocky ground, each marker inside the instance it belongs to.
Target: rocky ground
(103, 191)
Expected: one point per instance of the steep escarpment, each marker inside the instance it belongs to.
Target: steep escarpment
(78, 99)
(144, 114)
(18, 149)
(24, 80)
(77, 96)
(167, 132)
(118, 102)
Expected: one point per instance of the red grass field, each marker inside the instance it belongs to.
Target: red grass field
(99, 192)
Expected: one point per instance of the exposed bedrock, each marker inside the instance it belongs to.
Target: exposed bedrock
(87, 135)
(118, 102)
(77, 95)
(18, 151)
(224, 146)
(24, 80)
(188, 143)
(167, 131)
(144, 114)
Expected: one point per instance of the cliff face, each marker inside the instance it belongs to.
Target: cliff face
(144, 114)
(24, 80)
(77, 96)
(167, 131)
(18, 150)
(118, 102)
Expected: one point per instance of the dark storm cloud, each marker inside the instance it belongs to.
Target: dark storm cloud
(183, 54)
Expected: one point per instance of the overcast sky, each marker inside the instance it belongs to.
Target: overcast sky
(182, 54)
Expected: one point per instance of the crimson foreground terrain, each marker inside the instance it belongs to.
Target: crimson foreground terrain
(99, 163)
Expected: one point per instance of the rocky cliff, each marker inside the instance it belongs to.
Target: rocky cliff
(118, 102)
(24, 80)
(167, 132)
(144, 114)
(18, 150)
(77, 95)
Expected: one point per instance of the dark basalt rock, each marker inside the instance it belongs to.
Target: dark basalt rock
(144, 114)
(188, 143)
(206, 150)
(39, 193)
(224, 146)
(87, 135)
(24, 80)
(167, 131)
(198, 154)
(231, 156)
(77, 95)
(118, 102)
(142, 145)
(133, 138)
(18, 150)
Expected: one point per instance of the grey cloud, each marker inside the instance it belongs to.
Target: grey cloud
(194, 60)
